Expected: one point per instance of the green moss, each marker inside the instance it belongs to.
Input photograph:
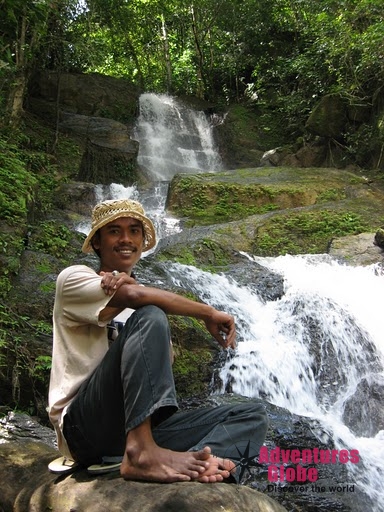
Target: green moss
(256, 128)
(207, 199)
(30, 371)
(17, 184)
(51, 237)
(212, 202)
(11, 248)
(193, 349)
(306, 232)
(205, 254)
(332, 194)
(48, 287)
(192, 371)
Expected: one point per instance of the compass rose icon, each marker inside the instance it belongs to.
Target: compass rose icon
(243, 454)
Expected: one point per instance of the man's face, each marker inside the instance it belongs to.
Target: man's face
(120, 244)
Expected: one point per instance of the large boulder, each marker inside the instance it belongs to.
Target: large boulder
(90, 94)
(26, 484)
(271, 211)
(329, 117)
(110, 154)
(26, 448)
(357, 250)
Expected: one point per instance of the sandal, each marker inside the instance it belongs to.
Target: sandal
(62, 465)
(108, 465)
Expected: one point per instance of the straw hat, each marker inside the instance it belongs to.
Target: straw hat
(107, 211)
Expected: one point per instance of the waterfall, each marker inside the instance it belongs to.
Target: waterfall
(173, 138)
(337, 305)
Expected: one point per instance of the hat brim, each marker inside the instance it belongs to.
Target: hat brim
(149, 230)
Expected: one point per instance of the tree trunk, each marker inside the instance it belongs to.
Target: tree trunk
(200, 58)
(167, 57)
(14, 108)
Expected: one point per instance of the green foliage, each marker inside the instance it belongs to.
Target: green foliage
(332, 194)
(51, 237)
(11, 247)
(28, 182)
(17, 183)
(205, 254)
(42, 367)
(362, 143)
(215, 202)
(305, 233)
(280, 55)
(30, 372)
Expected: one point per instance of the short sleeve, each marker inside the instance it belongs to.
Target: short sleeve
(80, 296)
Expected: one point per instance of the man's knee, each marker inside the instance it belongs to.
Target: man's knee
(254, 413)
(152, 314)
(149, 324)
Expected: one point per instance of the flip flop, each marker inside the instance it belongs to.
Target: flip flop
(108, 465)
(62, 465)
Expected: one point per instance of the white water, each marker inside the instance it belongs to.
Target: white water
(274, 358)
(173, 138)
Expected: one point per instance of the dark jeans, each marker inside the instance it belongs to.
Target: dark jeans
(135, 381)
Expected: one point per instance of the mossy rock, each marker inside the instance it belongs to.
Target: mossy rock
(303, 231)
(206, 199)
(308, 232)
(248, 131)
(203, 253)
(329, 117)
(194, 351)
(11, 247)
(310, 207)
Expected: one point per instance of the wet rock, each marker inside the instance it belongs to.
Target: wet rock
(267, 285)
(364, 410)
(110, 153)
(91, 94)
(379, 238)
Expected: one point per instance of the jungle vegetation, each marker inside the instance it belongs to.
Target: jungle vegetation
(285, 54)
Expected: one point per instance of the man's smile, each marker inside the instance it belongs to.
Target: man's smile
(125, 251)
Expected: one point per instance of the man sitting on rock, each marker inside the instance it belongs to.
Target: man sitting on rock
(117, 402)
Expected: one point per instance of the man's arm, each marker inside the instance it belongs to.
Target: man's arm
(221, 325)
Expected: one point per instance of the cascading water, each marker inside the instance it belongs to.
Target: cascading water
(173, 138)
(308, 351)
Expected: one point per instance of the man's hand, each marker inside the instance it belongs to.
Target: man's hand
(222, 327)
(111, 282)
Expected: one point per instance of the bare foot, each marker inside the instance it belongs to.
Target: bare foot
(219, 469)
(145, 460)
(162, 465)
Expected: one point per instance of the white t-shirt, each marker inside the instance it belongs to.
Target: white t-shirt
(79, 339)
